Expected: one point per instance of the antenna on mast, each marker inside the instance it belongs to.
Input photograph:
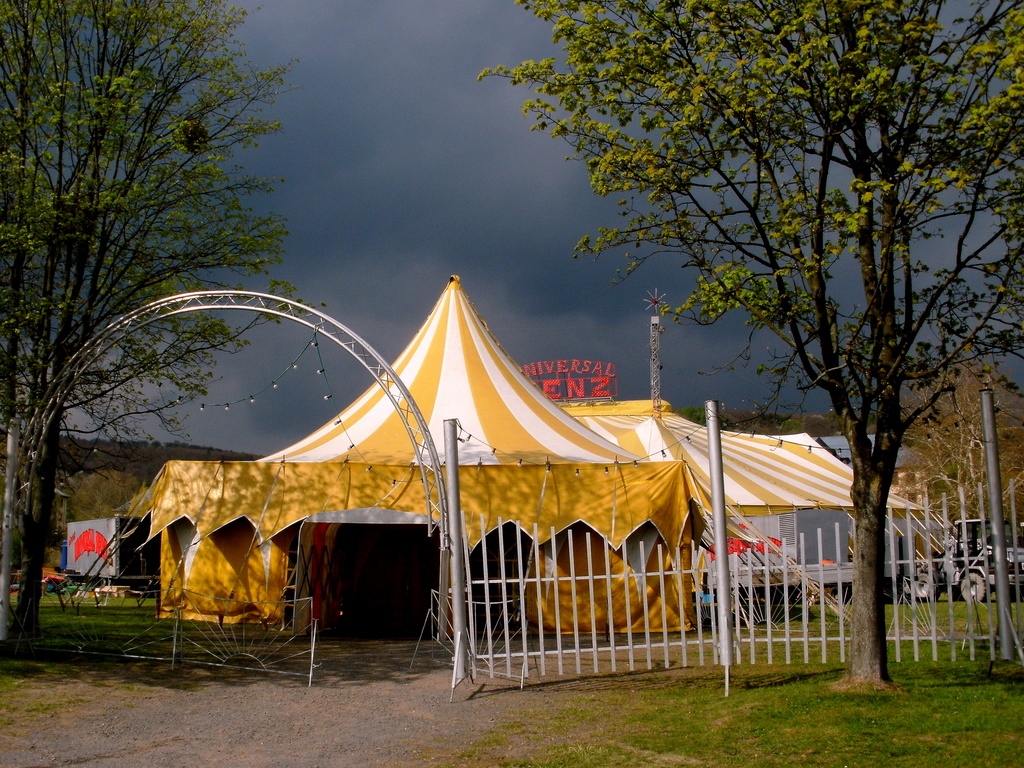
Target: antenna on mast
(654, 302)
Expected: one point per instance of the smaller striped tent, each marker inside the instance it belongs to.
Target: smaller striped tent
(763, 473)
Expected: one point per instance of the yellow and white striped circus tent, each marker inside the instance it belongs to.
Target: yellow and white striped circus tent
(764, 474)
(455, 369)
(339, 516)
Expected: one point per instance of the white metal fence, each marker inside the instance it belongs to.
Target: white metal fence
(574, 606)
(197, 629)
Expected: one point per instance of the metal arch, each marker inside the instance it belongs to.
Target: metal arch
(268, 304)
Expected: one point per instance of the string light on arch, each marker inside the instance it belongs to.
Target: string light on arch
(276, 381)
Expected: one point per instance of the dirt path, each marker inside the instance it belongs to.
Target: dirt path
(369, 709)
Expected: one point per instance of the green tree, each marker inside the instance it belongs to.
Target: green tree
(946, 451)
(118, 125)
(847, 174)
(103, 493)
(695, 413)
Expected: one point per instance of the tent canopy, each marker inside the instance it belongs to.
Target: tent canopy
(763, 473)
(455, 369)
(614, 499)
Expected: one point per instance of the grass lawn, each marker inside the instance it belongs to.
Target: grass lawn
(943, 714)
(966, 714)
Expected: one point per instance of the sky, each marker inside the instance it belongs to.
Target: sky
(402, 168)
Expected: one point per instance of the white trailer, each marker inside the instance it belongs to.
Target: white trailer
(111, 550)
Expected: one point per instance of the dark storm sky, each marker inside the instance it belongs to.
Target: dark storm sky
(401, 168)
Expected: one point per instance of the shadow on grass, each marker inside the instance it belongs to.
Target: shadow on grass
(744, 677)
(961, 674)
(693, 678)
(354, 662)
(339, 661)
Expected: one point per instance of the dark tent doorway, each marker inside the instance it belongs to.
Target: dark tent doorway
(386, 574)
(369, 577)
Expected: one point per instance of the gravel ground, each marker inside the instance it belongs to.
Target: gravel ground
(367, 709)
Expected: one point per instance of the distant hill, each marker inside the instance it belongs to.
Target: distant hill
(142, 460)
(745, 420)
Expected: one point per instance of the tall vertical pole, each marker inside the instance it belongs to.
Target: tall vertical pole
(723, 587)
(456, 535)
(998, 524)
(656, 329)
(654, 301)
(10, 492)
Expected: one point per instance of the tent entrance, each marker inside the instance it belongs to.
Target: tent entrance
(369, 575)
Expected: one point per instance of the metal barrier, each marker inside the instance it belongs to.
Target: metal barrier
(196, 629)
(575, 606)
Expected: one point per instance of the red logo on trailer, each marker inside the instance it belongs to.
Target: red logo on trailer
(741, 546)
(89, 540)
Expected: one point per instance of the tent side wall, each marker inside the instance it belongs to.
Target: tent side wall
(227, 577)
(233, 550)
(591, 587)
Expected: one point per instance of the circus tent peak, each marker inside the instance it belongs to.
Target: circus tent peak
(455, 369)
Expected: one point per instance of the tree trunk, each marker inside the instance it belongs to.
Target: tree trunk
(37, 533)
(869, 658)
(874, 465)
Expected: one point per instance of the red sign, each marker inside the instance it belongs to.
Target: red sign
(574, 379)
(741, 546)
(90, 540)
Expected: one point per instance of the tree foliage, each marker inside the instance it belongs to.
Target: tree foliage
(945, 453)
(119, 120)
(845, 173)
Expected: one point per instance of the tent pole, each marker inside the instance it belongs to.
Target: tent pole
(10, 491)
(997, 523)
(722, 586)
(453, 542)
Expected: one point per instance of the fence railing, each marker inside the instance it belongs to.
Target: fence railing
(558, 603)
(180, 627)
(573, 606)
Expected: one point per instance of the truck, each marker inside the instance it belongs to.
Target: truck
(925, 564)
(970, 563)
(112, 551)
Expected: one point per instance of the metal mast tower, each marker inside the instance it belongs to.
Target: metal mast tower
(654, 302)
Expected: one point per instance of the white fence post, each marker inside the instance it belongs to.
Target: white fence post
(722, 585)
